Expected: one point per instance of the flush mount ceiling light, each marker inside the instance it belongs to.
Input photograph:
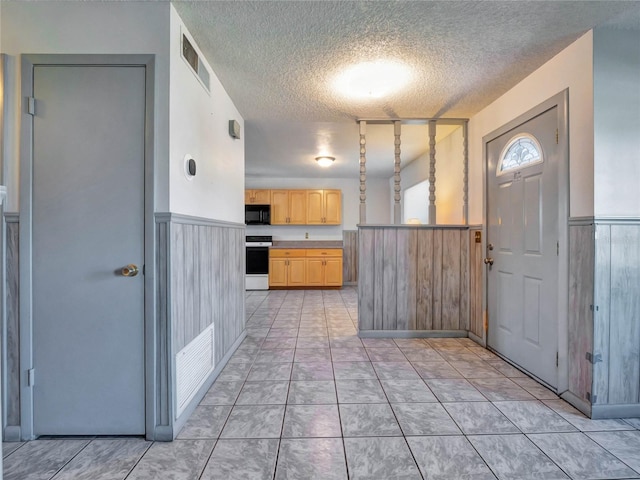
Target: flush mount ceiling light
(325, 161)
(372, 79)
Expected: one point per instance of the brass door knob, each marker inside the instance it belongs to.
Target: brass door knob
(130, 270)
(488, 261)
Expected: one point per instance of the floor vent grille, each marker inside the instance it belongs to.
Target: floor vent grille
(194, 363)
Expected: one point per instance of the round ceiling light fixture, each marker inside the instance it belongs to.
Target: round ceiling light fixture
(373, 79)
(325, 161)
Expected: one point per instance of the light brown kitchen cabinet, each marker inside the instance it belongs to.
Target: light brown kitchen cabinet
(311, 267)
(257, 197)
(288, 207)
(324, 267)
(324, 207)
(333, 272)
(287, 268)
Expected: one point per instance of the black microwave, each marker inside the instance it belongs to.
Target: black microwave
(257, 214)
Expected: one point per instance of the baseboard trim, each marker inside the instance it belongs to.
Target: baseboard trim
(579, 403)
(615, 411)
(479, 340)
(12, 433)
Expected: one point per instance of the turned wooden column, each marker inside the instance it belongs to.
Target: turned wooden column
(432, 172)
(397, 208)
(363, 173)
(465, 173)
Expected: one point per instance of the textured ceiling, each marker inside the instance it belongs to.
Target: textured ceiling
(276, 59)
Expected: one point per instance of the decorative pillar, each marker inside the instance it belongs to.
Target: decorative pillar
(432, 172)
(363, 173)
(397, 209)
(465, 172)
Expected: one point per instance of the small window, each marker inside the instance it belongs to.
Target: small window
(523, 150)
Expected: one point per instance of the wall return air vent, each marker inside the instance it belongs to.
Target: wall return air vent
(193, 59)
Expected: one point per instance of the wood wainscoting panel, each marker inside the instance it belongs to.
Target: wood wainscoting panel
(350, 257)
(451, 280)
(366, 295)
(378, 278)
(389, 279)
(207, 281)
(12, 330)
(581, 276)
(624, 313)
(476, 325)
(601, 313)
(406, 286)
(414, 278)
(424, 280)
(436, 285)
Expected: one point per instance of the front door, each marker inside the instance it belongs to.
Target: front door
(87, 224)
(522, 244)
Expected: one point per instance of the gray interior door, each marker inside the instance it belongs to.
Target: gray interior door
(88, 212)
(523, 229)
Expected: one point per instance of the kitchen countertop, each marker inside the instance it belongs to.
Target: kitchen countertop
(307, 244)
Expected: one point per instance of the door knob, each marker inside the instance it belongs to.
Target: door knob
(130, 270)
(488, 261)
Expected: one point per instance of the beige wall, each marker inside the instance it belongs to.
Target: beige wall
(617, 122)
(573, 69)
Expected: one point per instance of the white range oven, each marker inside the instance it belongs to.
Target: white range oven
(257, 274)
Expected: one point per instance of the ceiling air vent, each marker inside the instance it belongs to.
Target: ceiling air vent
(191, 56)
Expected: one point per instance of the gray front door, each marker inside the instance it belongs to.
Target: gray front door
(522, 243)
(88, 223)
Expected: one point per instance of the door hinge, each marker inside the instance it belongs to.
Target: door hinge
(593, 358)
(592, 398)
(31, 377)
(557, 358)
(31, 105)
(558, 248)
(594, 308)
(485, 321)
(557, 136)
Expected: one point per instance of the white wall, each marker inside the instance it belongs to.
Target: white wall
(572, 68)
(617, 122)
(377, 206)
(86, 27)
(199, 126)
(449, 168)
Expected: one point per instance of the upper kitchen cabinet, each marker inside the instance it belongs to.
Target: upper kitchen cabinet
(288, 207)
(324, 207)
(257, 197)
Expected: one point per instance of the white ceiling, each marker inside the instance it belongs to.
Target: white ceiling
(276, 60)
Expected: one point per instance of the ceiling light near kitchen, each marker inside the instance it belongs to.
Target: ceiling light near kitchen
(372, 79)
(325, 161)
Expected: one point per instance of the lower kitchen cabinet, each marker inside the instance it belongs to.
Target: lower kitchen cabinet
(311, 267)
(286, 272)
(324, 267)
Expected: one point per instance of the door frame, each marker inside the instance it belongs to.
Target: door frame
(25, 242)
(561, 101)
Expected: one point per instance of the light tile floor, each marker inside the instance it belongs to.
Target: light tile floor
(305, 398)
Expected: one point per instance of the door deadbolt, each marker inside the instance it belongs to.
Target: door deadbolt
(130, 270)
(490, 246)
